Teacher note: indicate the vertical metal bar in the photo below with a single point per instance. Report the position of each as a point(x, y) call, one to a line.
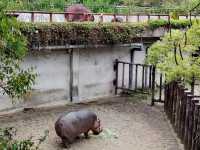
point(130, 76)
point(116, 75)
point(136, 76)
point(123, 72)
point(71, 75)
point(150, 76)
point(131, 70)
point(145, 75)
point(160, 92)
point(142, 77)
point(153, 85)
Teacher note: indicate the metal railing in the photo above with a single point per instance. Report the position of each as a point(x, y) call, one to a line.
point(138, 77)
point(41, 16)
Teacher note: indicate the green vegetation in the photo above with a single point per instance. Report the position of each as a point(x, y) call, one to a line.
point(14, 81)
point(111, 6)
point(173, 55)
point(175, 24)
point(82, 33)
point(92, 33)
point(7, 141)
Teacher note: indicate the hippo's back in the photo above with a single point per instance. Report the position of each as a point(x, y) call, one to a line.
point(74, 123)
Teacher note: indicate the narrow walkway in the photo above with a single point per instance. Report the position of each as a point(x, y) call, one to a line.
point(129, 124)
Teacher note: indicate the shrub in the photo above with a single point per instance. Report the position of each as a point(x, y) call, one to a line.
point(175, 24)
point(81, 33)
point(7, 141)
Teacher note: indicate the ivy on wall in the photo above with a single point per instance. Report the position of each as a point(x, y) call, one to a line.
point(47, 34)
point(81, 33)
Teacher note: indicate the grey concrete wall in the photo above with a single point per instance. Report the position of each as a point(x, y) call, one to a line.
point(52, 82)
point(95, 72)
point(92, 72)
point(52, 68)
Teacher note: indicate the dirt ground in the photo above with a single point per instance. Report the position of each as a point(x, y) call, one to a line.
point(129, 124)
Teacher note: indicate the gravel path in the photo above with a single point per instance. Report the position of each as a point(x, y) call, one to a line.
point(128, 125)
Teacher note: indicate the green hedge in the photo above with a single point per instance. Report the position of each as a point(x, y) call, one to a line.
point(44, 34)
point(81, 33)
point(175, 24)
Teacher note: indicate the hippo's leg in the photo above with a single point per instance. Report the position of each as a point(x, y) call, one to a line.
point(86, 135)
point(67, 142)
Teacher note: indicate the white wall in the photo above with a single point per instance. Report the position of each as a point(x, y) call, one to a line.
point(95, 73)
point(52, 82)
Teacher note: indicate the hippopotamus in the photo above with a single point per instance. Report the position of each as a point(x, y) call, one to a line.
point(69, 126)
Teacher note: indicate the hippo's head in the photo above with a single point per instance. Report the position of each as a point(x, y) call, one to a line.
point(97, 127)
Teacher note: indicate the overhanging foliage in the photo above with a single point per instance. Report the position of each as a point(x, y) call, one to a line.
point(81, 33)
point(173, 55)
point(14, 81)
point(47, 34)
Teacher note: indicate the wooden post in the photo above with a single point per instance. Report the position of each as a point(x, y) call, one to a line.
point(51, 18)
point(126, 18)
point(101, 18)
point(32, 17)
point(138, 18)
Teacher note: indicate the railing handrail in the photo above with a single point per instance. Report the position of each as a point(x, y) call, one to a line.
point(137, 17)
point(121, 14)
point(138, 64)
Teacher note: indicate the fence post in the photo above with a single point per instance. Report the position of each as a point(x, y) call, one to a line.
point(160, 88)
point(196, 136)
point(192, 85)
point(116, 75)
point(153, 85)
point(51, 18)
point(130, 76)
point(32, 17)
point(195, 101)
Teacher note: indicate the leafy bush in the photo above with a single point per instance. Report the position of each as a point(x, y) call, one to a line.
point(175, 24)
point(172, 55)
point(89, 33)
point(81, 33)
point(7, 141)
point(14, 81)
point(154, 24)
